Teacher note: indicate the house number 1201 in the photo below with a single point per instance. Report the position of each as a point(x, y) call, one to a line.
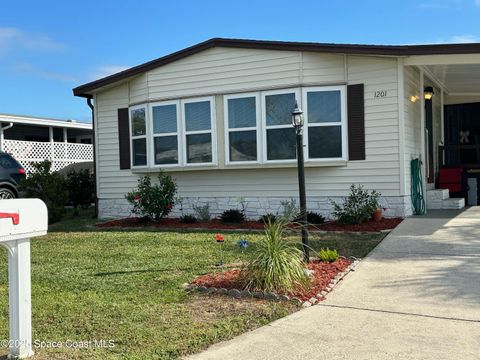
point(380, 94)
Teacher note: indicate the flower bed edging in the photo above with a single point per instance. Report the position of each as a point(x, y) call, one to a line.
point(273, 296)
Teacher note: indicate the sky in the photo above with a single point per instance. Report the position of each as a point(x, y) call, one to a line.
point(49, 47)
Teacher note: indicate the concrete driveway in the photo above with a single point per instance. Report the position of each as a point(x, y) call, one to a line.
point(416, 296)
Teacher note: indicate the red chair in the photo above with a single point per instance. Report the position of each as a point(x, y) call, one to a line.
point(451, 179)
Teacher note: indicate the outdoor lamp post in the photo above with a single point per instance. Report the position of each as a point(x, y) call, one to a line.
point(297, 122)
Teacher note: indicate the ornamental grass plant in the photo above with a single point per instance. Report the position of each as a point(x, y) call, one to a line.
point(276, 265)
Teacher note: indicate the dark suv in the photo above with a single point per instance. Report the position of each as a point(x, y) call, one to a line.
point(11, 172)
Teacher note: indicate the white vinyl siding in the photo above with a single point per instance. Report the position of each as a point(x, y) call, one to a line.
point(223, 71)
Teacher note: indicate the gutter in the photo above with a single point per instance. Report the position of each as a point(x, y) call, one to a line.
point(92, 108)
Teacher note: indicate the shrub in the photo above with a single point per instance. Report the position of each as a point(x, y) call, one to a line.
point(153, 202)
point(232, 216)
point(357, 207)
point(328, 255)
point(289, 209)
point(203, 212)
point(81, 189)
point(47, 186)
point(312, 218)
point(268, 218)
point(276, 265)
point(188, 219)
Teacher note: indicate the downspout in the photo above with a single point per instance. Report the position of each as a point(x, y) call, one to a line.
point(2, 129)
point(90, 105)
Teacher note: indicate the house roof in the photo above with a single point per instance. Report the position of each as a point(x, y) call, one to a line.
point(40, 121)
point(381, 50)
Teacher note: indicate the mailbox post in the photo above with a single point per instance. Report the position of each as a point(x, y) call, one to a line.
point(20, 220)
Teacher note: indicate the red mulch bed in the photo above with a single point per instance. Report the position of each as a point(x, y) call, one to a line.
point(323, 273)
point(174, 223)
point(366, 226)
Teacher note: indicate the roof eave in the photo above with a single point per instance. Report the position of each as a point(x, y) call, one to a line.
point(87, 90)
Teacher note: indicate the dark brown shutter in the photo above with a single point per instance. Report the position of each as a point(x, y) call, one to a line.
point(356, 122)
point(124, 138)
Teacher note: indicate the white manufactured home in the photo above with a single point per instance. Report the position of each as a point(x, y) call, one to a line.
point(31, 139)
point(216, 116)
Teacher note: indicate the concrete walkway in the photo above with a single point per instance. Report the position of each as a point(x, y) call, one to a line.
point(416, 296)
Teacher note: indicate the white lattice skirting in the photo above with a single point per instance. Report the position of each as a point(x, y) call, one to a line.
point(60, 153)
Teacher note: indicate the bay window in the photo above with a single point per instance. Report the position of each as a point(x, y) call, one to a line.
point(258, 129)
point(262, 132)
point(173, 133)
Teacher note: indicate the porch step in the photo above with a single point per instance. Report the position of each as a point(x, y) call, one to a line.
point(453, 204)
point(439, 199)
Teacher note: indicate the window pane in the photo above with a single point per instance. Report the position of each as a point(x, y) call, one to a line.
point(166, 150)
point(164, 119)
point(197, 116)
point(279, 108)
point(242, 112)
point(138, 122)
point(281, 144)
point(199, 148)
point(139, 152)
point(325, 142)
point(243, 145)
point(323, 106)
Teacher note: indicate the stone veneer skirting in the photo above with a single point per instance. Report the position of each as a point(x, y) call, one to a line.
point(396, 206)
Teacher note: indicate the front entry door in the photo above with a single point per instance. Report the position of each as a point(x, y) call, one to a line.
point(429, 141)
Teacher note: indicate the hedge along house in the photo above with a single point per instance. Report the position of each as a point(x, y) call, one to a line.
point(217, 117)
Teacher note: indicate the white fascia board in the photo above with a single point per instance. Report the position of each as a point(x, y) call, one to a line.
point(28, 120)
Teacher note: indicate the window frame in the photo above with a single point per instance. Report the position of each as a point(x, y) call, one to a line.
point(178, 133)
point(257, 128)
point(342, 123)
point(265, 128)
point(212, 131)
point(138, 137)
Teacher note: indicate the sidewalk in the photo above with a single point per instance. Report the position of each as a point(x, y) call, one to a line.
point(416, 296)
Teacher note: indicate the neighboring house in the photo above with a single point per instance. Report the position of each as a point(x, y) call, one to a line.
point(33, 139)
point(217, 117)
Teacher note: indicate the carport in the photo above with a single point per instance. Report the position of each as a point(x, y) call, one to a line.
point(451, 122)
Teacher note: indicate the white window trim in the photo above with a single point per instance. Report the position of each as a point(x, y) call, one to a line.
point(137, 137)
point(342, 123)
point(297, 92)
point(178, 134)
point(257, 128)
point(212, 131)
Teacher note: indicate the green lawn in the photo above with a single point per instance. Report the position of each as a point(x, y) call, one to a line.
point(126, 286)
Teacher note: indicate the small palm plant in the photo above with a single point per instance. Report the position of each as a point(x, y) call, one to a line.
point(276, 265)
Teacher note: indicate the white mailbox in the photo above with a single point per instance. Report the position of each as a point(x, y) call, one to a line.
point(20, 219)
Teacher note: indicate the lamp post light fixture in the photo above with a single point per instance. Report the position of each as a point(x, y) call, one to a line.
point(297, 122)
